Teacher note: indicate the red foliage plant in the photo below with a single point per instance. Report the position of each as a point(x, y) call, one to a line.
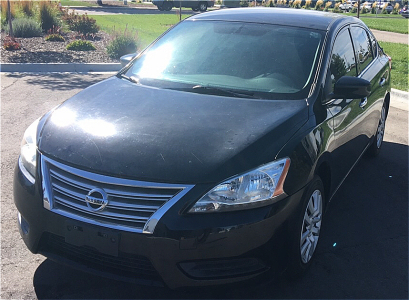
point(11, 44)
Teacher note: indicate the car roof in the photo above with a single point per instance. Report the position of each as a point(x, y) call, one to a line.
point(279, 16)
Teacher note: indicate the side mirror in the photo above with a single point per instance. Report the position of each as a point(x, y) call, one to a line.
point(127, 58)
point(351, 87)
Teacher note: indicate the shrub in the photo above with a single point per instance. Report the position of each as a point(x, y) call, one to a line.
point(244, 3)
point(373, 8)
point(336, 8)
point(307, 4)
point(80, 45)
point(319, 4)
point(25, 27)
point(395, 10)
point(54, 37)
point(4, 12)
point(11, 44)
point(297, 4)
point(82, 24)
point(27, 8)
point(48, 16)
point(327, 6)
point(121, 45)
point(364, 10)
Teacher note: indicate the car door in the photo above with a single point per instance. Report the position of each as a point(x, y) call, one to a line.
point(376, 72)
point(347, 114)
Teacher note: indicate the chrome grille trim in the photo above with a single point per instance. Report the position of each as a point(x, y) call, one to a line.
point(134, 206)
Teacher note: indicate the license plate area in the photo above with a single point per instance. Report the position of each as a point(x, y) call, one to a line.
point(101, 239)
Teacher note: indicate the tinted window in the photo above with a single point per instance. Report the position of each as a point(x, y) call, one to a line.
point(362, 47)
point(342, 57)
point(270, 61)
point(374, 46)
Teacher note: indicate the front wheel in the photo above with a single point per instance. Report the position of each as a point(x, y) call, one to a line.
point(375, 148)
point(202, 6)
point(305, 229)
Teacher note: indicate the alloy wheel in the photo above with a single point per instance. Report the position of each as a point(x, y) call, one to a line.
point(381, 128)
point(311, 226)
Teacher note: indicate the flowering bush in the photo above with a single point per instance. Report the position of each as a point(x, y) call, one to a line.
point(82, 24)
point(11, 44)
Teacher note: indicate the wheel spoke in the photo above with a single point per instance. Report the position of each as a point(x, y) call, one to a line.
point(307, 219)
point(304, 236)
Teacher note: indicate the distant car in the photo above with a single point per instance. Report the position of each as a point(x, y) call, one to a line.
point(347, 5)
point(404, 12)
point(207, 159)
point(195, 5)
point(368, 6)
point(388, 8)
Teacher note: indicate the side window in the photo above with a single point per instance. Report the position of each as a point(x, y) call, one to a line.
point(342, 57)
point(374, 45)
point(362, 47)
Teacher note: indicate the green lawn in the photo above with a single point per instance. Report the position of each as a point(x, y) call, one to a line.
point(399, 73)
point(375, 15)
point(148, 27)
point(399, 25)
point(78, 3)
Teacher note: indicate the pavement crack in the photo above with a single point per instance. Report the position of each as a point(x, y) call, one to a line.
point(10, 85)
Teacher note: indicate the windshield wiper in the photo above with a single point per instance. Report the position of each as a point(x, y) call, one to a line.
point(224, 91)
point(129, 78)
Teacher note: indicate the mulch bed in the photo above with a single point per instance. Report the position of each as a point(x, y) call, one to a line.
point(38, 50)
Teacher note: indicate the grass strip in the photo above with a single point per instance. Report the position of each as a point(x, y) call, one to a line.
point(387, 24)
point(77, 3)
point(147, 27)
point(399, 73)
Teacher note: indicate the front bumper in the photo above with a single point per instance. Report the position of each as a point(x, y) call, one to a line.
point(185, 250)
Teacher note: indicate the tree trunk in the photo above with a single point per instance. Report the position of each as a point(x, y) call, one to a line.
point(9, 17)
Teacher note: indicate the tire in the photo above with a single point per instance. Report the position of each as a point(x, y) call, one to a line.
point(202, 6)
point(375, 148)
point(160, 8)
point(195, 8)
point(305, 230)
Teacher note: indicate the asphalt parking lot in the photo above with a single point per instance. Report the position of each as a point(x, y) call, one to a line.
point(363, 251)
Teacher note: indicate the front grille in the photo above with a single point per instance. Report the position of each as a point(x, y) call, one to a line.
point(131, 204)
point(125, 265)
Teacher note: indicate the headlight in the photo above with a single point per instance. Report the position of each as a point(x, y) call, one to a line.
point(255, 188)
point(28, 155)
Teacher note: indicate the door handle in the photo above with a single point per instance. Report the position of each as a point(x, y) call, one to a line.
point(363, 102)
point(382, 81)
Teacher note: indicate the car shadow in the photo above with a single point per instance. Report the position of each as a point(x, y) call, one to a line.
point(60, 81)
point(363, 249)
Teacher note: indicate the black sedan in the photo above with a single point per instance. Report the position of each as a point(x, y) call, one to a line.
point(212, 153)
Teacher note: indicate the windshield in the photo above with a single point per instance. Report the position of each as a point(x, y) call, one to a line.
point(244, 59)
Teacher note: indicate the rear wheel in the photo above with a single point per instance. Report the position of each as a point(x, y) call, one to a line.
point(375, 148)
point(167, 5)
point(305, 229)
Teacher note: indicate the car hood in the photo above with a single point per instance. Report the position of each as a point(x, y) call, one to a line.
point(122, 129)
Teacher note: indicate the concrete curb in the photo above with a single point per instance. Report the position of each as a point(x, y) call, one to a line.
point(60, 67)
point(400, 99)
